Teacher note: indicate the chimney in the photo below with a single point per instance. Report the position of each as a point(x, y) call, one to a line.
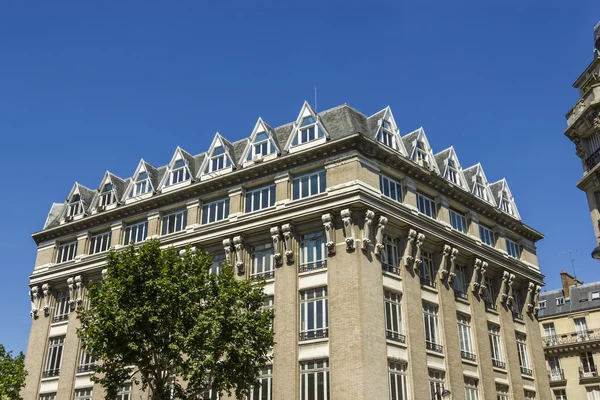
point(567, 282)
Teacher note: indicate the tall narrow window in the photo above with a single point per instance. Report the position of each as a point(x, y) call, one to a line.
point(263, 265)
point(460, 282)
point(86, 361)
point(487, 235)
point(179, 173)
point(174, 221)
point(308, 131)
point(75, 206)
point(523, 355)
point(141, 185)
point(436, 383)
point(262, 146)
point(560, 394)
point(512, 249)
point(99, 242)
point(550, 338)
point(209, 394)
point(215, 210)
point(125, 392)
point(314, 380)
point(426, 205)
point(398, 380)
point(555, 371)
point(107, 195)
point(458, 221)
point(427, 269)
point(505, 204)
point(420, 153)
point(66, 251)
point(390, 188)
point(529, 395)
point(593, 392)
point(393, 317)
point(496, 346)
point(314, 320)
point(464, 337)
point(312, 252)
point(588, 367)
point(386, 135)
point(61, 312)
point(219, 160)
point(217, 264)
point(471, 392)
point(308, 184)
point(581, 329)
point(432, 330)
point(389, 255)
point(83, 394)
point(490, 292)
point(264, 387)
point(135, 232)
point(452, 172)
point(479, 188)
point(260, 198)
point(501, 392)
point(54, 356)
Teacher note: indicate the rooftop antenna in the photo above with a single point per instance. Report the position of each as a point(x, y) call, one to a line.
point(572, 260)
point(316, 99)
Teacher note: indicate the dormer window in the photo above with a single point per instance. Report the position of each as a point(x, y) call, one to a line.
point(386, 135)
point(480, 188)
point(75, 207)
point(308, 131)
point(452, 172)
point(505, 204)
point(262, 146)
point(107, 196)
point(142, 185)
point(180, 173)
point(420, 152)
point(219, 160)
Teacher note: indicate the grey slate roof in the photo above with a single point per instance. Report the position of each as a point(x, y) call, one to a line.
point(154, 175)
point(580, 299)
point(496, 189)
point(87, 196)
point(372, 124)
point(54, 215)
point(440, 159)
point(343, 121)
point(119, 184)
point(469, 173)
point(408, 139)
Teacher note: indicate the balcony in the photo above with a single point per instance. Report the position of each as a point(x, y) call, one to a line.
point(396, 337)
point(263, 275)
point(390, 268)
point(315, 334)
point(590, 97)
point(465, 355)
point(427, 282)
point(498, 364)
point(461, 295)
point(438, 348)
point(556, 376)
point(491, 306)
point(313, 266)
point(571, 338)
point(526, 371)
point(85, 368)
point(59, 318)
point(50, 373)
point(593, 159)
point(588, 373)
point(517, 315)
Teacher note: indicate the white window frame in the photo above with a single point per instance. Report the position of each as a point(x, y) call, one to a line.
point(460, 283)
point(559, 394)
point(502, 392)
point(426, 205)
point(75, 207)
point(219, 161)
point(393, 316)
point(432, 324)
point(174, 221)
point(496, 345)
point(464, 336)
point(215, 210)
point(480, 188)
point(452, 173)
point(302, 185)
point(135, 232)
point(487, 236)
point(554, 369)
point(523, 354)
point(390, 188)
point(62, 307)
point(66, 251)
point(471, 391)
point(529, 395)
point(560, 301)
point(587, 364)
point(313, 325)
point(427, 269)
point(309, 132)
point(217, 264)
point(317, 371)
point(179, 173)
point(490, 290)
point(458, 221)
point(313, 255)
point(389, 255)
point(264, 387)
point(581, 328)
point(48, 396)
point(512, 248)
point(86, 361)
point(386, 135)
point(54, 356)
point(256, 198)
point(141, 186)
point(125, 392)
point(107, 195)
point(593, 392)
point(595, 295)
point(270, 147)
point(398, 380)
point(83, 394)
point(421, 154)
point(542, 304)
point(437, 383)
point(550, 336)
point(100, 242)
point(263, 263)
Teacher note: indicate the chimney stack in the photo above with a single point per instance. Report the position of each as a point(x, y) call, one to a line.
point(568, 281)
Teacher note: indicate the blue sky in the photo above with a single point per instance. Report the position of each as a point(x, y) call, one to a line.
point(86, 87)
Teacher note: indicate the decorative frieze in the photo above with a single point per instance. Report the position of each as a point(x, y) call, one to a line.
point(329, 233)
point(238, 243)
point(46, 290)
point(35, 301)
point(277, 245)
point(366, 233)
point(348, 228)
point(379, 235)
point(288, 237)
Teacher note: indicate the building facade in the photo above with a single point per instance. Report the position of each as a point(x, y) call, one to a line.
point(570, 324)
point(394, 273)
point(583, 128)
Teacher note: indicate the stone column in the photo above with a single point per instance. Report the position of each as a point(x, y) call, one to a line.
point(286, 327)
point(357, 345)
point(153, 224)
point(116, 235)
point(283, 192)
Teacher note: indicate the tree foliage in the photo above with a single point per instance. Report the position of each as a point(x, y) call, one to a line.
point(12, 374)
point(157, 315)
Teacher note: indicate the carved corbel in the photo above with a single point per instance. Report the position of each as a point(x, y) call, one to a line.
point(452, 274)
point(46, 290)
point(276, 237)
point(238, 242)
point(228, 248)
point(475, 277)
point(78, 290)
point(445, 255)
point(72, 295)
point(379, 235)
point(504, 287)
point(511, 298)
point(329, 233)
point(348, 228)
point(536, 298)
point(482, 287)
point(287, 241)
point(35, 301)
point(419, 241)
point(366, 233)
point(408, 257)
point(529, 299)
point(104, 272)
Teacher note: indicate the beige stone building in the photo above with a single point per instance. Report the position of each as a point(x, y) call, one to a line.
point(570, 324)
point(394, 272)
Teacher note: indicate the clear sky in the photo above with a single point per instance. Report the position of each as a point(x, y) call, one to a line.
point(91, 86)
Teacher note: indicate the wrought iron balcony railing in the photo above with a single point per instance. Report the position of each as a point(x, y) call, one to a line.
point(556, 375)
point(427, 282)
point(85, 368)
point(263, 275)
point(315, 334)
point(313, 266)
point(498, 364)
point(51, 372)
point(526, 371)
point(517, 315)
point(468, 356)
point(491, 306)
point(593, 159)
point(390, 268)
point(396, 337)
point(590, 372)
point(461, 295)
point(438, 348)
point(59, 318)
point(571, 337)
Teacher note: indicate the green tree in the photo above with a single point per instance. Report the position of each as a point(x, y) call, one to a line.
point(157, 315)
point(12, 374)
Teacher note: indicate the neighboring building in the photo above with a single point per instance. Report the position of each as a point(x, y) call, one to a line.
point(583, 128)
point(570, 325)
point(394, 272)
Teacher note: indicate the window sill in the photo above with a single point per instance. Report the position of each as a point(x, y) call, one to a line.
point(307, 145)
point(435, 353)
point(392, 275)
point(469, 362)
point(491, 311)
point(312, 341)
point(501, 370)
point(461, 300)
point(60, 323)
point(528, 377)
point(214, 174)
point(50, 379)
point(429, 289)
point(86, 373)
point(178, 185)
point(398, 344)
point(313, 272)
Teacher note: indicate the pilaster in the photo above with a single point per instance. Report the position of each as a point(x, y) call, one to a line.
point(536, 350)
point(443, 214)
point(153, 224)
point(116, 235)
point(82, 244)
point(193, 213)
point(283, 192)
point(410, 193)
point(473, 221)
point(70, 362)
point(511, 353)
point(236, 202)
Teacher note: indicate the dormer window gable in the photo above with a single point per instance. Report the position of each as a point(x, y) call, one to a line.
point(75, 205)
point(387, 130)
point(479, 188)
point(218, 157)
point(506, 200)
point(420, 153)
point(260, 144)
point(180, 172)
point(386, 135)
point(140, 184)
point(479, 184)
point(452, 171)
point(107, 195)
point(308, 128)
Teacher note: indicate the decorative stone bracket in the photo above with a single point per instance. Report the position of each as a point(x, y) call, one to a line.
point(536, 299)
point(445, 256)
point(329, 233)
point(75, 291)
point(348, 228)
point(46, 290)
point(418, 243)
point(277, 244)
point(35, 301)
point(410, 240)
point(452, 266)
point(511, 298)
point(475, 277)
point(228, 248)
point(482, 287)
point(288, 237)
point(238, 243)
point(366, 233)
point(504, 287)
point(379, 235)
point(529, 299)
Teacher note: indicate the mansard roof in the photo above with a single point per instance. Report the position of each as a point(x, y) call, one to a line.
point(119, 185)
point(87, 195)
point(441, 159)
point(498, 188)
point(54, 215)
point(470, 175)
